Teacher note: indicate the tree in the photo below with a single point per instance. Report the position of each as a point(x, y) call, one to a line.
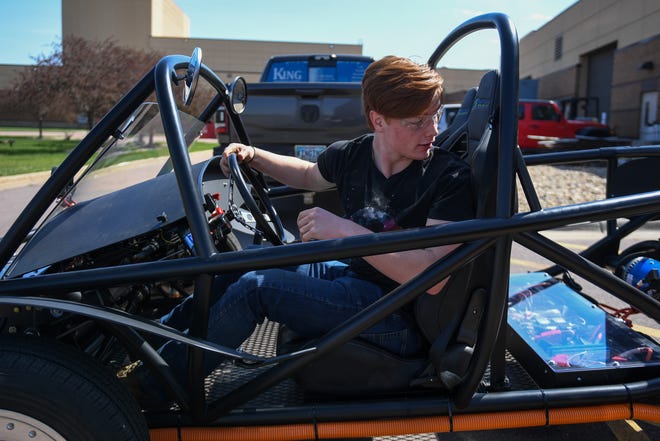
point(84, 77)
point(80, 76)
point(36, 91)
point(98, 73)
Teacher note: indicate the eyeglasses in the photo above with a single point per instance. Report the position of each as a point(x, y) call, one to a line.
point(422, 122)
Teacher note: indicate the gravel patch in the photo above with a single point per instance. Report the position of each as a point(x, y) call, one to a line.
point(558, 185)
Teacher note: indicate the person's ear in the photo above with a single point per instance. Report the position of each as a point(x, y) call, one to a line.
point(377, 120)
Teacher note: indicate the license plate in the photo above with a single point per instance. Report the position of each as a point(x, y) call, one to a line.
point(308, 152)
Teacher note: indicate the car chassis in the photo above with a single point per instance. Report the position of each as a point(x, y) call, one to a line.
point(485, 398)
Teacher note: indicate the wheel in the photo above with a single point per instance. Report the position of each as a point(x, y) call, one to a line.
point(596, 132)
point(229, 243)
point(273, 233)
point(51, 391)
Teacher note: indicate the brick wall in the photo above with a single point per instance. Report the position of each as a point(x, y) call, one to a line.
point(558, 85)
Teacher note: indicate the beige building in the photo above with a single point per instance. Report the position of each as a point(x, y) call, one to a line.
point(9, 72)
point(458, 81)
point(162, 26)
point(600, 58)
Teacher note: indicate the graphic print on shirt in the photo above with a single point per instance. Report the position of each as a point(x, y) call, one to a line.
point(376, 215)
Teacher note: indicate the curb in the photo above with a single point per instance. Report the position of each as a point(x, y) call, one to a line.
point(601, 227)
point(38, 178)
point(24, 180)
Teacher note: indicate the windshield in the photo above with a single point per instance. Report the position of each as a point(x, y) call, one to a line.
point(136, 153)
point(100, 198)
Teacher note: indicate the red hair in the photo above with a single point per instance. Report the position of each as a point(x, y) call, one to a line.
point(397, 87)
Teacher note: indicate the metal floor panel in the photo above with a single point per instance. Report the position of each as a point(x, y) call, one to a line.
point(263, 342)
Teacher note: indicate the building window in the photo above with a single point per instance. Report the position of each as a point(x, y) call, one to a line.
point(558, 47)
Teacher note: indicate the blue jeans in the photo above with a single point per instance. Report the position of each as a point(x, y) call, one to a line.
point(310, 299)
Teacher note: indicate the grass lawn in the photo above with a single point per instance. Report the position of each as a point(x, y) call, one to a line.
point(29, 155)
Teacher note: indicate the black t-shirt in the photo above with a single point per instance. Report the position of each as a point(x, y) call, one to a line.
point(436, 188)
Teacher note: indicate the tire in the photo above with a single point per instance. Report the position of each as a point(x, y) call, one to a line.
point(596, 132)
point(51, 391)
point(229, 243)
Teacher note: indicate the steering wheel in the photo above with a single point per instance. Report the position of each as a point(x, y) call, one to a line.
point(274, 232)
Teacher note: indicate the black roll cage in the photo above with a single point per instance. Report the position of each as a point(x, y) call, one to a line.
point(476, 236)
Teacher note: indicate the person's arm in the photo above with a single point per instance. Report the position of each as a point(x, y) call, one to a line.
point(288, 170)
point(402, 266)
point(317, 224)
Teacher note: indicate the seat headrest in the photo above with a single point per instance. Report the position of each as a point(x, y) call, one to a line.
point(453, 138)
point(464, 111)
point(483, 105)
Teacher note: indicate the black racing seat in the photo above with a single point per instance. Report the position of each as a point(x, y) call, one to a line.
point(467, 132)
point(453, 138)
point(450, 321)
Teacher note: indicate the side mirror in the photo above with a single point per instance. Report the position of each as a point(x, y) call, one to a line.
point(238, 95)
point(192, 75)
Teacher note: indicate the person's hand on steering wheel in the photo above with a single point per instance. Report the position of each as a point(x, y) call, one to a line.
point(244, 154)
point(235, 165)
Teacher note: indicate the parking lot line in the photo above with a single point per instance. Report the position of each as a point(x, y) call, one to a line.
point(653, 332)
point(528, 263)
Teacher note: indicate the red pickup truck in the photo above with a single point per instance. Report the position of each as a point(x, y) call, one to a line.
point(541, 122)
